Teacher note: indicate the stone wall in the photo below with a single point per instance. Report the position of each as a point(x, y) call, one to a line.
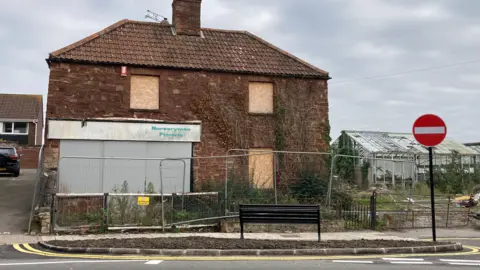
point(219, 100)
point(423, 219)
point(326, 226)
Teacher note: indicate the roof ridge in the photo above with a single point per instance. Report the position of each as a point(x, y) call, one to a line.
point(31, 95)
point(286, 53)
point(373, 131)
point(89, 38)
point(225, 30)
point(203, 28)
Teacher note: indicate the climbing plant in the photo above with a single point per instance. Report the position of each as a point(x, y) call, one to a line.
point(344, 166)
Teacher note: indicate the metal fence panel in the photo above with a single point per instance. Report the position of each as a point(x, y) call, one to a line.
point(39, 195)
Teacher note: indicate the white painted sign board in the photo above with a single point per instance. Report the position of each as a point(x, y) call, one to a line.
point(123, 131)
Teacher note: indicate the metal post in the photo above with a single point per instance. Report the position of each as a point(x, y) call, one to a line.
point(372, 165)
point(432, 193)
point(329, 191)
point(161, 198)
point(105, 210)
point(319, 223)
point(393, 173)
point(373, 211)
point(414, 171)
point(384, 171)
point(241, 222)
point(275, 177)
point(226, 184)
point(448, 211)
point(52, 213)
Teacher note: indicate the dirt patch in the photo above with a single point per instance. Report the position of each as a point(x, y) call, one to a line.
point(223, 243)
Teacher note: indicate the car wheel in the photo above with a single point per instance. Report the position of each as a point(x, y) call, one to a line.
point(16, 174)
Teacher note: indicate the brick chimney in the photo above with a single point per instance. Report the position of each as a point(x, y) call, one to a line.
point(186, 17)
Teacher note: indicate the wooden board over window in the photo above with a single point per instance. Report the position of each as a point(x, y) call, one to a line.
point(144, 92)
point(261, 168)
point(260, 97)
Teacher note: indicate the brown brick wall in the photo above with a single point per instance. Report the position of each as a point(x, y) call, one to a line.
point(29, 159)
point(82, 91)
point(31, 134)
point(186, 16)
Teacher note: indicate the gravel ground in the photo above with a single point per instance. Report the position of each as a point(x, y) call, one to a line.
point(222, 243)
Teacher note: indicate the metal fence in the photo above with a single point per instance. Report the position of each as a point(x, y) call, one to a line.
point(223, 182)
point(416, 213)
point(274, 177)
point(39, 194)
point(121, 211)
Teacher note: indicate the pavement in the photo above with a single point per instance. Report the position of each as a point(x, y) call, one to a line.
point(16, 195)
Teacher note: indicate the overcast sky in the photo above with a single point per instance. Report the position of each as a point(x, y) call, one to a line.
point(352, 39)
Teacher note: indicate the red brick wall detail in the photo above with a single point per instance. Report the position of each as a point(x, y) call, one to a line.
point(83, 91)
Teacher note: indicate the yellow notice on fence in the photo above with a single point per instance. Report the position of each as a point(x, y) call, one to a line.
point(143, 200)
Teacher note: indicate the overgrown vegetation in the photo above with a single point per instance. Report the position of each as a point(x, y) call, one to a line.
point(454, 177)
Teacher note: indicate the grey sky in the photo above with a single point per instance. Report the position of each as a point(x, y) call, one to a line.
point(349, 38)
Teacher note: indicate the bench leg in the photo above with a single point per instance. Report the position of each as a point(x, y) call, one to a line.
point(319, 226)
point(241, 230)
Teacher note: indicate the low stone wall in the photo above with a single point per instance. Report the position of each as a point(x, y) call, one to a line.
point(232, 226)
point(422, 219)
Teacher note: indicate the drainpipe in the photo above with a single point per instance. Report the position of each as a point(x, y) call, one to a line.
point(35, 123)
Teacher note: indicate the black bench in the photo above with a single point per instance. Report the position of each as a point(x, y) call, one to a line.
point(279, 214)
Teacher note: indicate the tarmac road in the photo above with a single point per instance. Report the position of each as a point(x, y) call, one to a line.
point(240, 265)
point(11, 258)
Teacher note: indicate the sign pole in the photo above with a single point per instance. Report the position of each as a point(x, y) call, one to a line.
point(432, 195)
point(430, 130)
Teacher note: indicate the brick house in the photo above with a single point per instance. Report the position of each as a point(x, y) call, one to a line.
point(21, 125)
point(159, 90)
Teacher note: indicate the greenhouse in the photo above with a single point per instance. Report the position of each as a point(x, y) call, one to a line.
point(397, 158)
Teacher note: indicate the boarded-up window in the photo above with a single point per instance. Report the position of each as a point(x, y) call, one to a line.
point(144, 92)
point(261, 167)
point(260, 97)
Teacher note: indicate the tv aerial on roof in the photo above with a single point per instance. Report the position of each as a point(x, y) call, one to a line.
point(155, 16)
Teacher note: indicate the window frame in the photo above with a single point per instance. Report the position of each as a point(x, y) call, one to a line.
point(273, 98)
point(130, 93)
point(2, 131)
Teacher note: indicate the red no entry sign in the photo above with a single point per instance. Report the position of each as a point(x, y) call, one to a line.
point(429, 130)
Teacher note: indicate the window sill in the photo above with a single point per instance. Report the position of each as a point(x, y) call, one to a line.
point(261, 114)
point(145, 110)
point(2, 133)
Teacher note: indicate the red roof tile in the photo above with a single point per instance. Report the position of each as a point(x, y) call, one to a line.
point(13, 106)
point(154, 44)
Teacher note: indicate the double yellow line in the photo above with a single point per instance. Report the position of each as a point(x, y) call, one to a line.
point(26, 248)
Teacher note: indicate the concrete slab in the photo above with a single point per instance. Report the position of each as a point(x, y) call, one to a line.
point(15, 201)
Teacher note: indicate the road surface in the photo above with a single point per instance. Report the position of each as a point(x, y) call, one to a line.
point(11, 258)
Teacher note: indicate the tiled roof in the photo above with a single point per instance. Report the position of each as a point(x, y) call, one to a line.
point(154, 44)
point(13, 106)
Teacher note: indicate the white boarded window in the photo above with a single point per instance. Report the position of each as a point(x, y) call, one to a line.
point(144, 92)
point(260, 97)
point(260, 167)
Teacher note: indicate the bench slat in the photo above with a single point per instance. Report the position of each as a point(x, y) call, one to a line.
point(279, 214)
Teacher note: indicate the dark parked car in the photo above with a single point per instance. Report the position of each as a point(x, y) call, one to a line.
point(9, 161)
